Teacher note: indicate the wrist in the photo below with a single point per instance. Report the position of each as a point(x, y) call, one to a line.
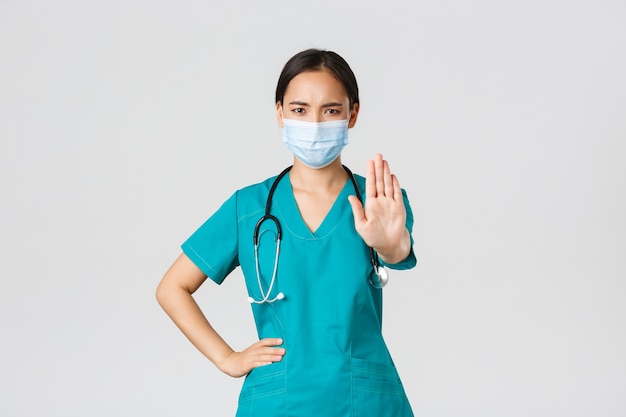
point(396, 253)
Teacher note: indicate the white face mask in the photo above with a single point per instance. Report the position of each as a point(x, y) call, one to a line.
point(315, 144)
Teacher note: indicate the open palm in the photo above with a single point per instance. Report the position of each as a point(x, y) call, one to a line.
point(382, 221)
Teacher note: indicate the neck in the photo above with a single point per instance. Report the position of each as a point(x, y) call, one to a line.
point(322, 179)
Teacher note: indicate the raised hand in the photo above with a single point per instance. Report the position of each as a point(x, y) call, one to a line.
point(381, 222)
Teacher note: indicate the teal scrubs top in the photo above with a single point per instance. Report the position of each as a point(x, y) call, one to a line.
point(336, 362)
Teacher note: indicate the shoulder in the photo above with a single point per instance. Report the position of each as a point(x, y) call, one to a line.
point(259, 189)
point(251, 199)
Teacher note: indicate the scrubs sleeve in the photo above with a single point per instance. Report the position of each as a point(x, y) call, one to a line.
point(213, 247)
point(410, 261)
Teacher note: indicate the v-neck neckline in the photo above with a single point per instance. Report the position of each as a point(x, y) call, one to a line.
point(293, 218)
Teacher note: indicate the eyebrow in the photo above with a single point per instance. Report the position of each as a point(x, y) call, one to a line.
point(302, 103)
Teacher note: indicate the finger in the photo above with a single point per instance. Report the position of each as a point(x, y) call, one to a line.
point(357, 209)
point(387, 180)
point(262, 362)
point(270, 341)
point(269, 350)
point(264, 355)
point(379, 172)
point(370, 180)
point(269, 358)
point(397, 191)
point(271, 355)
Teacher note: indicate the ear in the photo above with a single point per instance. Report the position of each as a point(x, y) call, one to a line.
point(353, 115)
point(279, 114)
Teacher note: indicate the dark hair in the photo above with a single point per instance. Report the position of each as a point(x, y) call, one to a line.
point(316, 60)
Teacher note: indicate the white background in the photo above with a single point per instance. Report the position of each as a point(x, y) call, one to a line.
point(124, 124)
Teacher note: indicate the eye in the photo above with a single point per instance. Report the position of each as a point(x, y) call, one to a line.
point(298, 110)
point(333, 111)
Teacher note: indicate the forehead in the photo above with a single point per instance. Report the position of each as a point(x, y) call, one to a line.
point(316, 84)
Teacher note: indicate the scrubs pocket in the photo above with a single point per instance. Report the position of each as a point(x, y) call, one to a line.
point(264, 392)
point(377, 390)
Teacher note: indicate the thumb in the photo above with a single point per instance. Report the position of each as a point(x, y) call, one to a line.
point(357, 209)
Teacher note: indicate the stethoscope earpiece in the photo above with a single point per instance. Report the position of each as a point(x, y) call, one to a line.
point(279, 296)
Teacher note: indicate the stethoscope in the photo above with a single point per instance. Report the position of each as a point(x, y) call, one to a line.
point(381, 277)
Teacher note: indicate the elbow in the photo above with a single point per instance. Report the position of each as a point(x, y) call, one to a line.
point(168, 291)
point(161, 293)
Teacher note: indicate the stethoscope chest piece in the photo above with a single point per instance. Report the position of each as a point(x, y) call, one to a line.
point(380, 277)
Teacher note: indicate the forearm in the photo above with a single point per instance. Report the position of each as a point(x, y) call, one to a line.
point(181, 307)
point(396, 253)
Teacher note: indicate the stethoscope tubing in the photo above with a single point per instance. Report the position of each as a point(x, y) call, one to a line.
point(382, 277)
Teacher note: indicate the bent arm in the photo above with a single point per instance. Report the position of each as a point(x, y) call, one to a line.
point(174, 294)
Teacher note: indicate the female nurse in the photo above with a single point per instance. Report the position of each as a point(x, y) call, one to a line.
point(311, 267)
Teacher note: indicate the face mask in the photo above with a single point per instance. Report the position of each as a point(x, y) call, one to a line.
point(315, 144)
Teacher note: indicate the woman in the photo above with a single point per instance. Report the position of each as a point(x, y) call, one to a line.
point(311, 268)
